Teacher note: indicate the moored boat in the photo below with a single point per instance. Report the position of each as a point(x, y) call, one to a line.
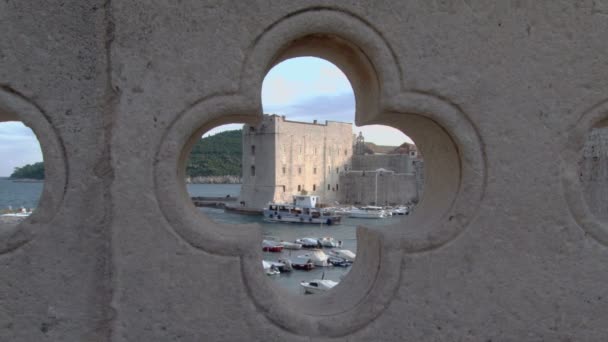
point(308, 242)
point(270, 268)
point(290, 245)
point(303, 209)
point(368, 212)
point(305, 266)
point(317, 257)
point(271, 246)
point(328, 241)
point(318, 285)
point(344, 254)
point(339, 262)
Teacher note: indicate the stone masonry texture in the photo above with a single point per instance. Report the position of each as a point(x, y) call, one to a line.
point(506, 243)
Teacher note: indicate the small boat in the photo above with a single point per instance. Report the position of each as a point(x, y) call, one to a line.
point(344, 254)
point(328, 241)
point(274, 241)
point(270, 268)
point(302, 210)
point(401, 210)
point(368, 212)
point(284, 265)
point(21, 213)
point(317, 257)
point(272, 249)
point(271, 246)
point(339, 262)
point(290, 245)
point(306, 266)
point(318, 286)
point(16, 215)
point(308, 242)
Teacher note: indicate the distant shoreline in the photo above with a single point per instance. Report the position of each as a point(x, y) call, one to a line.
point(25, 180)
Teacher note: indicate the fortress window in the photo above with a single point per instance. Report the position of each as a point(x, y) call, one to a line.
point(314, 187)
point(336, 187)
point(283, 188)
point(337, 170)
point(314, 170)
point(299, 170)
point(253, 150)
point(299, 187)
point(328, 187)
point(283, 169)
point(252, 170)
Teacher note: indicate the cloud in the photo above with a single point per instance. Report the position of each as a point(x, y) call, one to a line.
point(18, 146)
point(298, 79)
point(335, 108)
point(339, 108)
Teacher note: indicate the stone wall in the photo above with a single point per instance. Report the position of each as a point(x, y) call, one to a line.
point(594, 172)
point(292, 157)
point(499, 96)
point(400, 163)
point(388, 188)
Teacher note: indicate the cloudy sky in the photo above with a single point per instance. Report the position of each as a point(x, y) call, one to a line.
point(307, 89)
point(18, 146)
point(303, 89)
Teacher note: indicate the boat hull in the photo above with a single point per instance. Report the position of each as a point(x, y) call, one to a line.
point(302, 218)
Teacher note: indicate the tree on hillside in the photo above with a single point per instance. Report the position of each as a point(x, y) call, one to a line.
point(30, 171)
point(217, 155)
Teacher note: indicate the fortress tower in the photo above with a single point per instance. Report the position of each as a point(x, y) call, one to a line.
point(282, 158)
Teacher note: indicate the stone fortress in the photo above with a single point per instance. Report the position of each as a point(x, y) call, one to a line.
point(499, 96)
point(282, 158)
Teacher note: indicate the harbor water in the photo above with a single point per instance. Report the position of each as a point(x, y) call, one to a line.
point(17, 194)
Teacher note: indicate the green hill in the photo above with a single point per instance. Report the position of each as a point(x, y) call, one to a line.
point(217, 155)
point(29, 171)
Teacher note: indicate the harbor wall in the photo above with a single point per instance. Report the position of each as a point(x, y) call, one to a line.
point(388, 188)
point(506, 244)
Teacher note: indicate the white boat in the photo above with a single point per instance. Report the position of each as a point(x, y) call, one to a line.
point(270, 268)
point(328, 241)
point(368, 212)
point(21, 213)
point(402, 210)
point(16, 215)
point(308, 242)
point(317, 257)
point(344, 254)
point(302, 210)
point(270, 241)
point(318, 285)
point(290, 245)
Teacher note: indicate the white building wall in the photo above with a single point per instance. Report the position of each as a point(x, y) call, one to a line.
point(294, 158)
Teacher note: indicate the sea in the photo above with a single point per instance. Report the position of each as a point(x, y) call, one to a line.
point(27, 194)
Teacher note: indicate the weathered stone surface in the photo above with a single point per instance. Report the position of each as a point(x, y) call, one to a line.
point(499, 97)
